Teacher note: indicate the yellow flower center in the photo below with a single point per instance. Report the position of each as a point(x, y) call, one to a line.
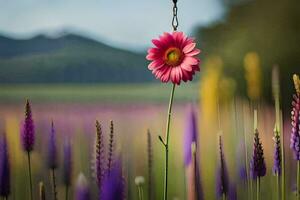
point(173, 56)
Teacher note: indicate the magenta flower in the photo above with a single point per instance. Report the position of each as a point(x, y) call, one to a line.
point(27, 132)
point(174, 58)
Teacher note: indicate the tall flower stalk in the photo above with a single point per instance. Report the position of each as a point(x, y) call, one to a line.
point(110, 147)
point(173, 59)
point(99, 156)
point(52, 158)
point(166, 143)
point(295, 133)
point(277, 160)
point(150, 165)
point(67, 167)
point(222, 181)
point(279, 168)
point(4, 169)
point(27, 138)
point(257, 164)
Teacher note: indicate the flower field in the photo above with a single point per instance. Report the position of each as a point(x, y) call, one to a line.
point(74, 114)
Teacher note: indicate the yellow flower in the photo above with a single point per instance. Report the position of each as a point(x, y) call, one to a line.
point(296, 83)
point(209, 88)
point(253, 75)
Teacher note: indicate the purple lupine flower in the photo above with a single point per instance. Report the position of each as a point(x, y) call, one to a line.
point(4, 169)
point(222, 182)
point(99, 150)
point(67, 164)
point(82, 188)
point(52, 150)
point(295, 134)
point(190, 134)
point(27, 132)
point(113, 187)
point(257, 164)
point(277, 155)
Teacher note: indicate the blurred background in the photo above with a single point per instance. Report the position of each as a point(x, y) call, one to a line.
point(78, 61)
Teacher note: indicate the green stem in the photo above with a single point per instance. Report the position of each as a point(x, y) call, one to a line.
point(54, 184)
point(282, 160)
point(251, 189)
point(298, 180)
point(278, 185)
point(257, 188)
point(224, 197)
point(140, 191)
point(67, 192)
point(246, 163)
point(166, 144)
point(29, 172)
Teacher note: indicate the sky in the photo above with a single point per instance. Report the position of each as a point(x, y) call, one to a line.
point(122, 23)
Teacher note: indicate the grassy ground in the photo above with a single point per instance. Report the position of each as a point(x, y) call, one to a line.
point(112, 93)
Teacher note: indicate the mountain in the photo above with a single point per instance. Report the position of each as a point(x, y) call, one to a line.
point(68, 59)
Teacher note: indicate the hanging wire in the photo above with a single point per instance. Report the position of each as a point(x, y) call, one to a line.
point(175, 18)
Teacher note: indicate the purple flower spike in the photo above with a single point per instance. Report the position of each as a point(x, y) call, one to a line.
point(222, 182)
point(4, 169)
point(257, 164)
point(52, 151)
point(277, 155)
point(82, 188)
point(27, 132)
point(67, 166)
point(113, 184)
point(190, 134)
point(295, 134)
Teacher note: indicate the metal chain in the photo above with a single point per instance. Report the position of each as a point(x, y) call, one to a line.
point(175, 18)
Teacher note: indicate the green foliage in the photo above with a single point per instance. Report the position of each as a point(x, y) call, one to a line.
point(270, 28)
point(105, 93)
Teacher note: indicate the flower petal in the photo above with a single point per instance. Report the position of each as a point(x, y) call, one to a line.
point(186, 67)
point(158, 43)
point(194, 52)
point(155, 64)
point(190, 61)
point(188, 48)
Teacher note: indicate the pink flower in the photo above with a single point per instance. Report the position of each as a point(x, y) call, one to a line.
point(173, 58)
